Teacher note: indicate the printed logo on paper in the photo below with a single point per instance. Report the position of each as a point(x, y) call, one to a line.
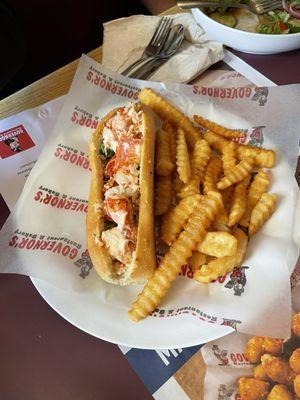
point(237, 280)
point(225, 359)
point(14, 141)
point(225, 392)
point(84, 263)
point(221, 355)
point(261, 95)
point(257, 136)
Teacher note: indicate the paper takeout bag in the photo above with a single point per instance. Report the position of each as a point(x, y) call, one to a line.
point(44, 236)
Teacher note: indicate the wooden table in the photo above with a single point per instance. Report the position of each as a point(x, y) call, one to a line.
point(43, 356)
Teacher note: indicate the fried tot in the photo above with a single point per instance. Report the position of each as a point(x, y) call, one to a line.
point(218, 244)
point(220, 130)
point(163, 162)
point(181, 250)
point(261, 212)
point(253, 389)
point(294, 361)
point(163, 198)
point(238, 205)
point(237, 174)
point(297, 385)
point(278, 369)
point(260, 373)
point(296, 325)
point(255, 349)
point(174, 221)
point(273, 346)
point(168, 112)
point(257, 188)
point(182, 158)
point(280, 392)
point(221, 266)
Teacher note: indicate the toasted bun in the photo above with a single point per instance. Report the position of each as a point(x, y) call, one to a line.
point(145, 256)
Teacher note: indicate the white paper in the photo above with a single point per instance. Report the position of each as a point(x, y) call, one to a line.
point(124, 42)
point(28, 132)
point(60, 254)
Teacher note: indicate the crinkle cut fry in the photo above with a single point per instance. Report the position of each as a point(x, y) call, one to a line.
point(172, 137)
point(262, 158)
point(237, 174)
point(200, 158)
point(257, 188)
point(174, 221)
point(163, 163)
point(167, 111)
point(217, 142)
point(182, 158)
point(238, 205)
point(220, 130)
point(163, 198)
point(228, 158)
point(262, 212)
point(178, 254)
point(211, 176)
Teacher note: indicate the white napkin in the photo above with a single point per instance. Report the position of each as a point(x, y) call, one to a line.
point(125, 40)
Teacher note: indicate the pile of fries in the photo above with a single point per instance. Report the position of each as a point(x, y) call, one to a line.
point(210, 190)
point(277, 373)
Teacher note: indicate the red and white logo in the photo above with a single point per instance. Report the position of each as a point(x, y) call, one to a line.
point(14, 141)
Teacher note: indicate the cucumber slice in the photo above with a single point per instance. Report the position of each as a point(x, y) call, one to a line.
point(294, 25)
point(225, 19)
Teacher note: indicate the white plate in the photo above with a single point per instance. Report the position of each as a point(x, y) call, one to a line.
point(95, 317)
point(247, 42)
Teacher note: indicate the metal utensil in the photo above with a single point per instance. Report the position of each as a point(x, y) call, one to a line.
point(155, 45)
point(171, 47)
point(255, 6)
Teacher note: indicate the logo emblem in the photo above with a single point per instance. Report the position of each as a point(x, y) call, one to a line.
point(84, 264)
point(257, 136)
point(237, 280)
point(225, 392)
point(14, 141)
point(261, 95)
point(221, 355)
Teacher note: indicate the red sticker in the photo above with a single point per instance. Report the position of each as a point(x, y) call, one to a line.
point(14, 141)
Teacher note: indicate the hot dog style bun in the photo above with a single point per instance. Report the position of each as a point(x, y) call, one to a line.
point(120, 221)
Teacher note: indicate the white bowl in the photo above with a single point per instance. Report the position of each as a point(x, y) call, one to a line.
point(247, 42)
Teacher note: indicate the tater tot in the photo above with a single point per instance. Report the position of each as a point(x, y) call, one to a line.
point(260, 373)
point(278, 369)
point(254, 349)
point(295, 361)
point(296, 325)
point(280, 392)
point(297, 385)
point(253, 389)
point(273, 346)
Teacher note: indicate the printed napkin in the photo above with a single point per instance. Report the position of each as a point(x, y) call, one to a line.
point(125, 40)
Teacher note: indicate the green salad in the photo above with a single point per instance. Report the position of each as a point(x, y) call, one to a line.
point(275, 22)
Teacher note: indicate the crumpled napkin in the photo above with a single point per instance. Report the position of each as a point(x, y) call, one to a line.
point(125, 40)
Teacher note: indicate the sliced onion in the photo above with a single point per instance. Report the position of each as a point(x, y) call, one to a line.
point(295, 12)
point(292, 8)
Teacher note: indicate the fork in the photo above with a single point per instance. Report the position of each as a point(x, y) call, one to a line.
point(155, 45)
point(255, 6)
